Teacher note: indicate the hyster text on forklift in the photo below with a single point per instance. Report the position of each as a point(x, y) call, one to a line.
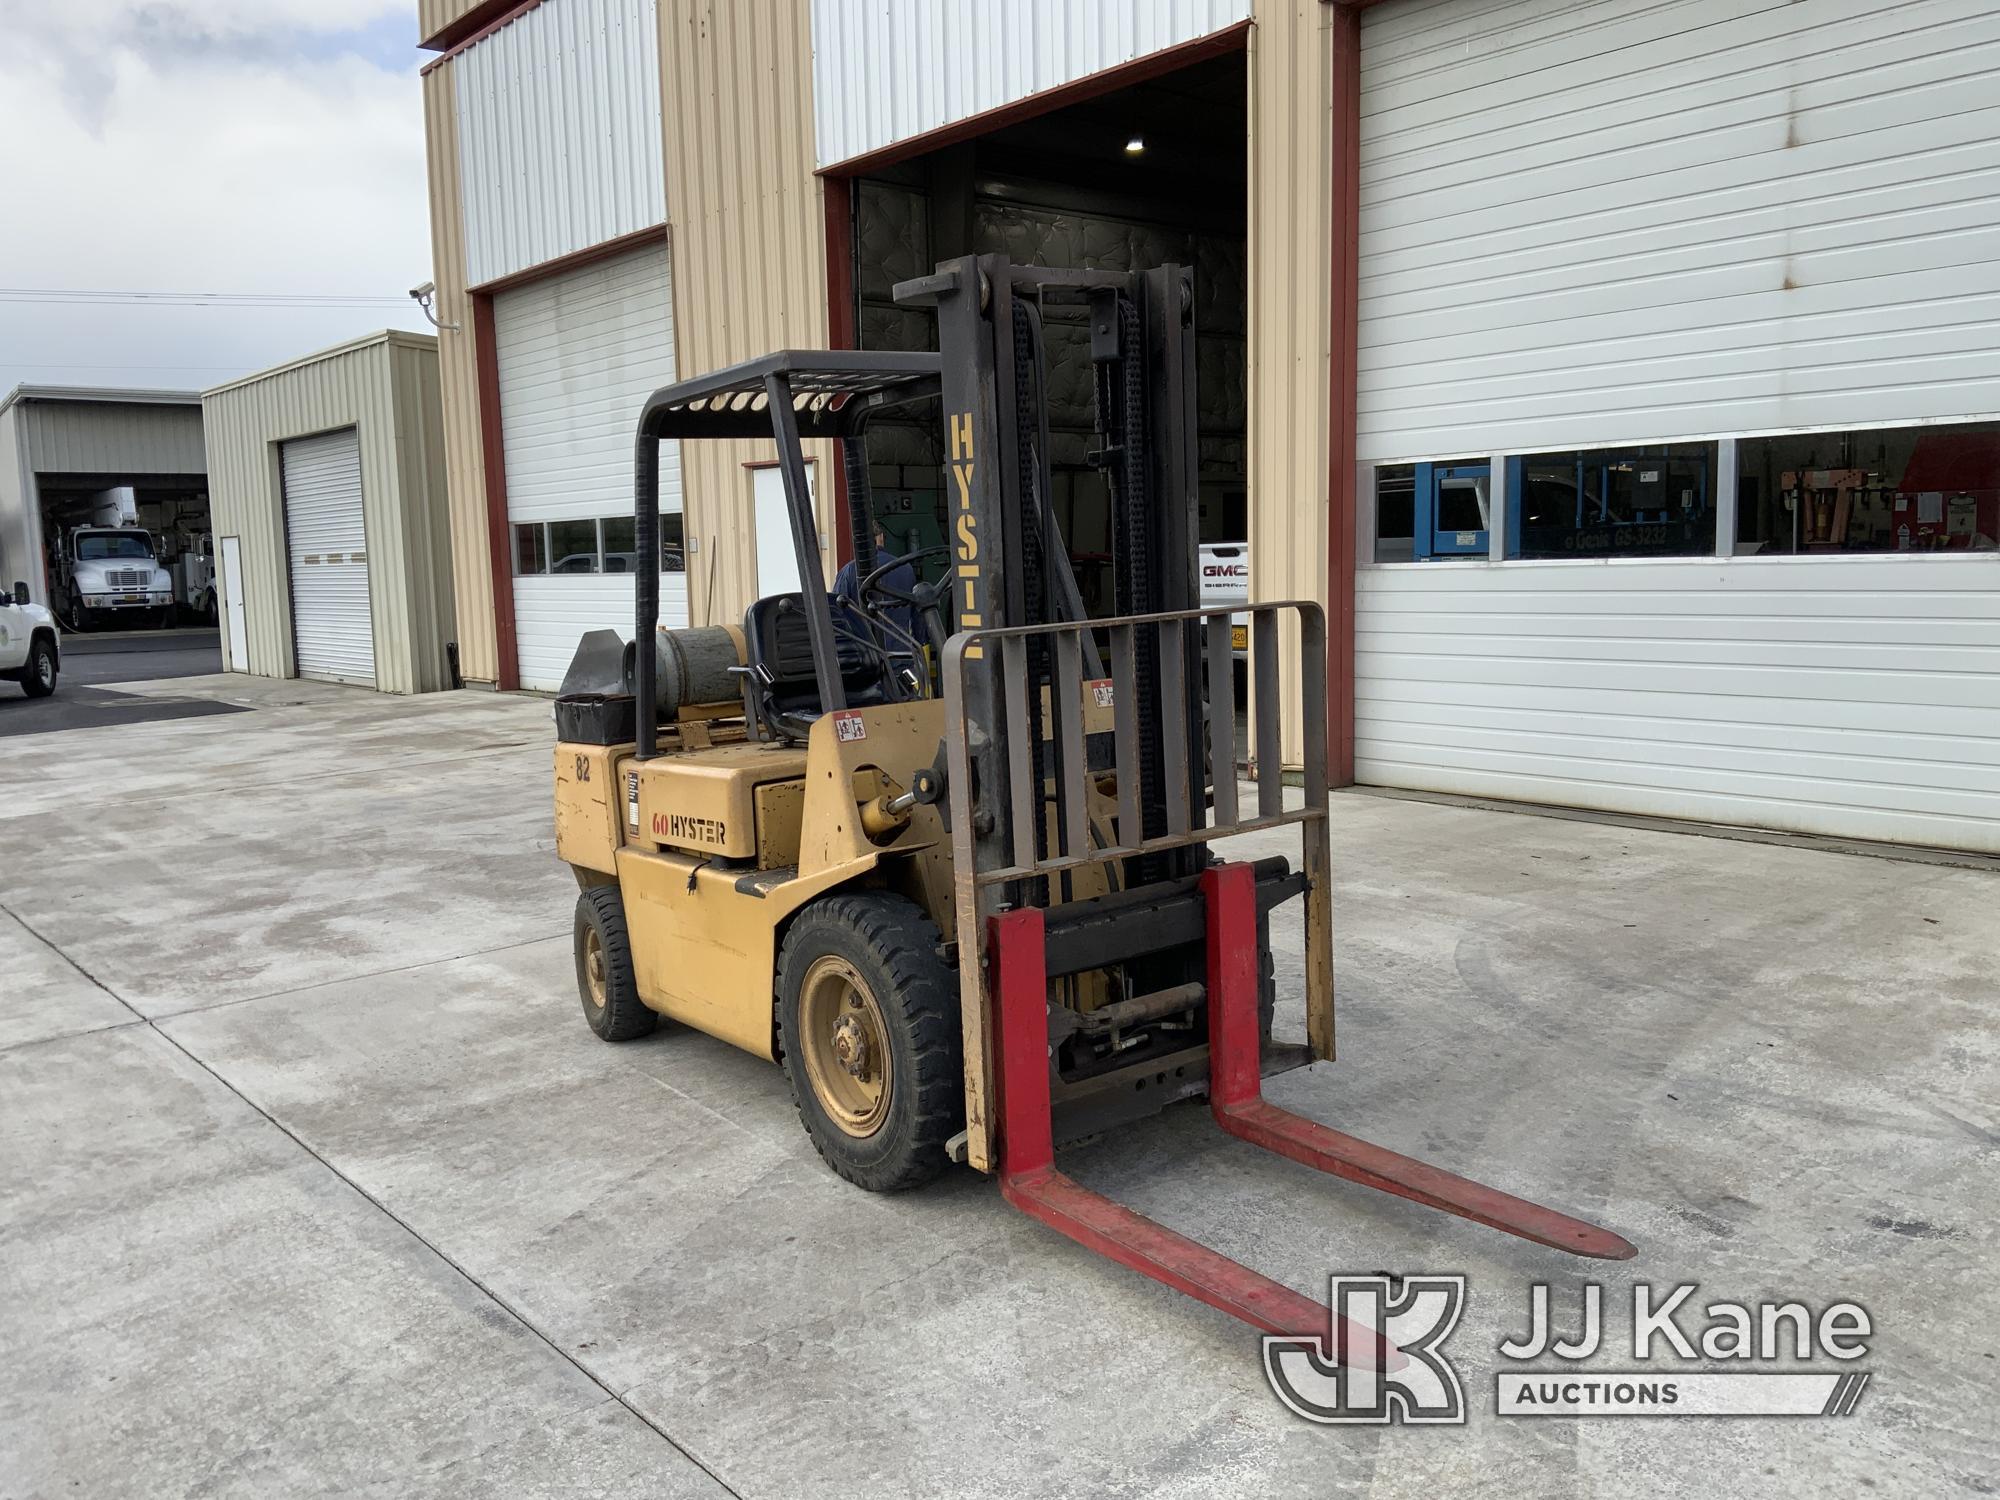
point(944, 850)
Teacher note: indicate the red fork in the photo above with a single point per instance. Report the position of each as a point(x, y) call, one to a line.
point(1030, 1181)
point(1236, 1095)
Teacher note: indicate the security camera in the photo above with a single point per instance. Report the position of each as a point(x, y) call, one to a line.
point(422, 296)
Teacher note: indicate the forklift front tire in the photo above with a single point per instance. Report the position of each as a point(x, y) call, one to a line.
point(868, 1022)
point(604, 978)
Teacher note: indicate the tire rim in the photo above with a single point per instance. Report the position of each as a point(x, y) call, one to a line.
point(844, 1042)
point(45, 668)
point(593, 966)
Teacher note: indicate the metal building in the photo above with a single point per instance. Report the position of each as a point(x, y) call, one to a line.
point(553, 158)
point(1624, 377)
point(62, 445)
point(332, 540)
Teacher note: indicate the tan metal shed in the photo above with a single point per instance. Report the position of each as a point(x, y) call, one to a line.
point(361, 425)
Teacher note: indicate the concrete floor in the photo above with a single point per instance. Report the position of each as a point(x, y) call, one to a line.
point(312, 1180)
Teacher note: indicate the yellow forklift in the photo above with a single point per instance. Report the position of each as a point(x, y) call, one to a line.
point(943, 849)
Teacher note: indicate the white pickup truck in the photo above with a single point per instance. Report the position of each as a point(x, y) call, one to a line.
point(30, 651)
point(1225, 579)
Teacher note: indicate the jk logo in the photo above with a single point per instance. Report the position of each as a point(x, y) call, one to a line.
point(1346, 1377)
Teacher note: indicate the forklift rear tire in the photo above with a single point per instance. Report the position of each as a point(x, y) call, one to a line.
point(604, 978)
point(868, 1024)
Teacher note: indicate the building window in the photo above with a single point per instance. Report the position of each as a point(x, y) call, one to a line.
point(573, 547)
point(1395, 513)
point(621, 554)
point(1654, 501)
point(1432, 510)
point(1897, 489)
point(607, 545)
point(531, 549)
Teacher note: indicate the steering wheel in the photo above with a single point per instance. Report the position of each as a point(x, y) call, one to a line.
point(923, 596)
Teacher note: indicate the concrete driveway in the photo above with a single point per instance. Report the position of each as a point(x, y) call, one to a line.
point(312, 1180)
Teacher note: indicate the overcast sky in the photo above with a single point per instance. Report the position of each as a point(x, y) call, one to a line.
point(269, 146)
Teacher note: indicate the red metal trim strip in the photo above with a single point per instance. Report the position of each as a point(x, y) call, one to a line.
point(576, 260)
point(499, 534)
point(1152, 65)
point(1340, 480)
point(837, 199)
point(474, 26)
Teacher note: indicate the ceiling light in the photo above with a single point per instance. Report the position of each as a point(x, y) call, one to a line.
point(1136, 145)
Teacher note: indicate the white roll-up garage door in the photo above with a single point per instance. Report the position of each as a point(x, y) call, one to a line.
point(1634, 220)
point(327, 544)
point(578, 355)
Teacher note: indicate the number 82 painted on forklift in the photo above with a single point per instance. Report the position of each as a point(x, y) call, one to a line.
point(906, 843)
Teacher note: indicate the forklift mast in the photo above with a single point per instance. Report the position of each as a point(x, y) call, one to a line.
point(1011, 563)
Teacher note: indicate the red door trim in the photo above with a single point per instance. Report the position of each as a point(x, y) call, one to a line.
point(499, 532)
point(475, 25)
point(1344, 301)
point(837, 200)
point(576, 260)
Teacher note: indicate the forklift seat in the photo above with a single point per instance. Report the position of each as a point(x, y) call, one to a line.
point(779, 643)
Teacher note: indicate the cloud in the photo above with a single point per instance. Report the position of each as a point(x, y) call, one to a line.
point(79, 42)
point(225, 145)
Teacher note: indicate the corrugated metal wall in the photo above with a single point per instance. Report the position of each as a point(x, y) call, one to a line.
point(423, 608)
point(1853, 697)
point(888, 70)
point(90, 437)
point(1629, 220)
point(559, 134)
point(1291, 216)
point(748, 245)
point(458, 375)
point(387, 388)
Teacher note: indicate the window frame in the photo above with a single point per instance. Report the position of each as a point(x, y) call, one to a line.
point(597, 524)
point(1721, 502)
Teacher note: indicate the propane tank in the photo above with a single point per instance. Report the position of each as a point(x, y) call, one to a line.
point(694, 667)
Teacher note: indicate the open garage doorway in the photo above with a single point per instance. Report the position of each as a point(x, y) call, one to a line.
point(1152, 173)
point(107, 538)
point(129, 567)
